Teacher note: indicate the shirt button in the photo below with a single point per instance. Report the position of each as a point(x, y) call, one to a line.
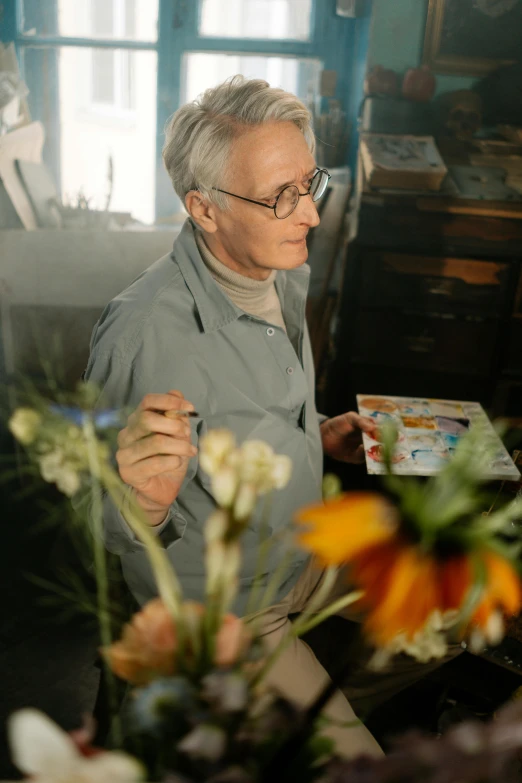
point(290, 370)
point(270, 332)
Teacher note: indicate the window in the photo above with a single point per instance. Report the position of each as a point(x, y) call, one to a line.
point(280, 19)
point(92, 81)
point(204, 69)
point(112, 70)
point(105, 75)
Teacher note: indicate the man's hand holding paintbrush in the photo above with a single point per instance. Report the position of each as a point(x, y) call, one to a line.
point(154, 450)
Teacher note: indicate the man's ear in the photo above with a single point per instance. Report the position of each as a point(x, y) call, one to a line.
point(201, 211)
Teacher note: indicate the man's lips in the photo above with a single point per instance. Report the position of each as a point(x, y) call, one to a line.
point(296, 241)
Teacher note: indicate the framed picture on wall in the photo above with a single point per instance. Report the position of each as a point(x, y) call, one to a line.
point(472, 37)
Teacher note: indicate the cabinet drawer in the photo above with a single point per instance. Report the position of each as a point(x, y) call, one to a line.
point(440, 285)
point(436, 344)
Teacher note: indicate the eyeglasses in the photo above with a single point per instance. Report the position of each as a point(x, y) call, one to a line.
point(288, 199)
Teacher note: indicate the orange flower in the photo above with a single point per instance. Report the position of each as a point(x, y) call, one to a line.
point(343, 527)
point(401, 589)
point(501, 596)
point(148, 646)
point(409, 594)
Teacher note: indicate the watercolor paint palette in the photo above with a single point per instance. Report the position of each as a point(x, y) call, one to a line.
point(428, 433)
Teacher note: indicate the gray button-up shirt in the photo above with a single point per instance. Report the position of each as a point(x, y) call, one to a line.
point(174, 328)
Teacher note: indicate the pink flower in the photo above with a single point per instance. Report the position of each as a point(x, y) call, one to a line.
point(148, 646)
point(232, 640)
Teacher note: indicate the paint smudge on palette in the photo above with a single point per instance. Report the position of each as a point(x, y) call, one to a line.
point(414, 408)
point(376, 454)
point(419, 422)
point(376, 438)
point(430, 459)
point(381, 417)
point(452, 409)
point(381, 404)
point(450, 440)
point(425, 440)
point(452, 426)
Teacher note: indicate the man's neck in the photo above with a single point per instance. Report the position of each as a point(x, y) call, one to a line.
point(219, 252)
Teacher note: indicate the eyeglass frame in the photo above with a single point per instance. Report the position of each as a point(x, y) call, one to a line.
point(274, 206)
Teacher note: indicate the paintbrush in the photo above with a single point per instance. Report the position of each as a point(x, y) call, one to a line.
point(174, 414)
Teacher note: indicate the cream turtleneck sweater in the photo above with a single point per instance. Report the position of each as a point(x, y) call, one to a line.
point(256, 297)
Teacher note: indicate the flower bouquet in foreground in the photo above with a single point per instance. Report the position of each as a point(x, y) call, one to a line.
point(422, 566)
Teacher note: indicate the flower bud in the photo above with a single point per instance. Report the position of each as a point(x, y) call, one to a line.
point(214, 447)
point(216, 526)
point(281, 471)
point(214, 560)
point(224, 486)
point(24, 425)
point(246, 500)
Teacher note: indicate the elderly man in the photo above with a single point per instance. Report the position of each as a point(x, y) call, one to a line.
point(218, 327)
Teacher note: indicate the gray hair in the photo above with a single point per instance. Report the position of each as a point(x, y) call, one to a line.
point(199, 136)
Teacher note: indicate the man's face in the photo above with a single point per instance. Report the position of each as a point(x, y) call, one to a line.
point(248, 237)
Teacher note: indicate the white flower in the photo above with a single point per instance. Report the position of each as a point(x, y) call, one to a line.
point(55, 468)
point(50, 465)
point(246, 500)
point(224, 486)
point(495, 630)
point(214, 448)
point(24, 425)
point(262, 468)
point(257, 464)
point(428, 643)
point(216, 526)
point(68, 482)
point(43, 752)
point(281, 471)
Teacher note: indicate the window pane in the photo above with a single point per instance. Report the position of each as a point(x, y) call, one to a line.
point(283, 19)
point(112, 19)
point(107, 111)
point(103, 76)
point(206, 69)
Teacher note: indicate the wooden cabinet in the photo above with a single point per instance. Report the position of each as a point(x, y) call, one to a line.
point(431, 304)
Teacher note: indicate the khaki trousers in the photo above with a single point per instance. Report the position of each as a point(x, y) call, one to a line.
point(300, 677)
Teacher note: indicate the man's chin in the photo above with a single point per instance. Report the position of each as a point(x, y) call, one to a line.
point(295, 255)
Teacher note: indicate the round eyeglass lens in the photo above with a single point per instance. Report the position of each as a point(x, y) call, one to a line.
point(319, 183)
point(287, 202)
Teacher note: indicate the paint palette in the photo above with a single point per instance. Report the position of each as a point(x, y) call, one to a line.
point(428, 434)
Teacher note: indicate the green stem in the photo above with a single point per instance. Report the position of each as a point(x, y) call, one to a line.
point(334, 608)
point(165, 576)
point(100, 569)
point(309, 619)
point(275, 582)
point(264, 549)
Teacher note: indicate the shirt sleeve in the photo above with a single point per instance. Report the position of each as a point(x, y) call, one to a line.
point(122, 387)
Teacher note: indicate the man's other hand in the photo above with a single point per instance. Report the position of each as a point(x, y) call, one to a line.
point(342, 436)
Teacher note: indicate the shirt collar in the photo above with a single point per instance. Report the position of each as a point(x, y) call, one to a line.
point(214, 308)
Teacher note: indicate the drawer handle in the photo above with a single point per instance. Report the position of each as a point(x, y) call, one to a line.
point(439, 291)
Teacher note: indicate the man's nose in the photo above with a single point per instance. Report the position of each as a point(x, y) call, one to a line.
point(308, 211)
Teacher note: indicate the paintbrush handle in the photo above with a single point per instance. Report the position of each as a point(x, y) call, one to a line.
point(174, 414)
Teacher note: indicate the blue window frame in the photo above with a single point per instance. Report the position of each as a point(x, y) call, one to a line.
point(332, 43)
